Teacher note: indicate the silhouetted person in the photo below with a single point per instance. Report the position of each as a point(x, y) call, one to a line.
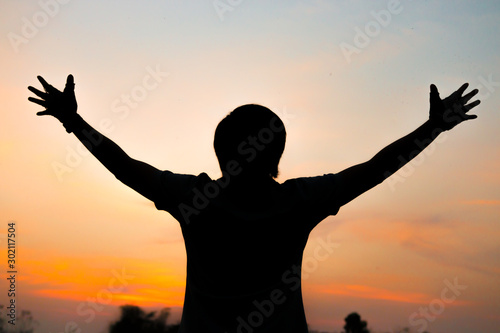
point(245, 233)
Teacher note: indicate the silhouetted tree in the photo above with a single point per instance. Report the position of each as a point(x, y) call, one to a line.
point(133, 319)
point(24, 323)
point(354, 324)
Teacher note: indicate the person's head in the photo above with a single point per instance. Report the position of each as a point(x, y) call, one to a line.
point(254, 137)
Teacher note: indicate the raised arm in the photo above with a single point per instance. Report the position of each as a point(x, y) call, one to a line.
point(138, 175)
point(443, 116)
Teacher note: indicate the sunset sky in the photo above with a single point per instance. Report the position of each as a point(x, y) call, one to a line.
point(346, 77)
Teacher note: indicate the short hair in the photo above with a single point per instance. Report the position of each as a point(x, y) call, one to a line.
point(254, 137)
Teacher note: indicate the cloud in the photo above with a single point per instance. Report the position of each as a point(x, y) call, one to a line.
point(445, 241)
point(137, 281)
point(370, 292)
point(481, 202)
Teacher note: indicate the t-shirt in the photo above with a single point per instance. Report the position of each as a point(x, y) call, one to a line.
point(244, 248)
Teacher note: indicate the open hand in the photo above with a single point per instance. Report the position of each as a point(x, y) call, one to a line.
point(452, 110)
point(59, 104)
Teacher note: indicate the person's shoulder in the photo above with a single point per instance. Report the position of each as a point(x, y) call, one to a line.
point(171, 174)
point(327, 179)
point(176, 187)
point(311, 186)
point(184, 181)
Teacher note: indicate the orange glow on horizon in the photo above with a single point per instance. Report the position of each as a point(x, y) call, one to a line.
point(75, 279)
